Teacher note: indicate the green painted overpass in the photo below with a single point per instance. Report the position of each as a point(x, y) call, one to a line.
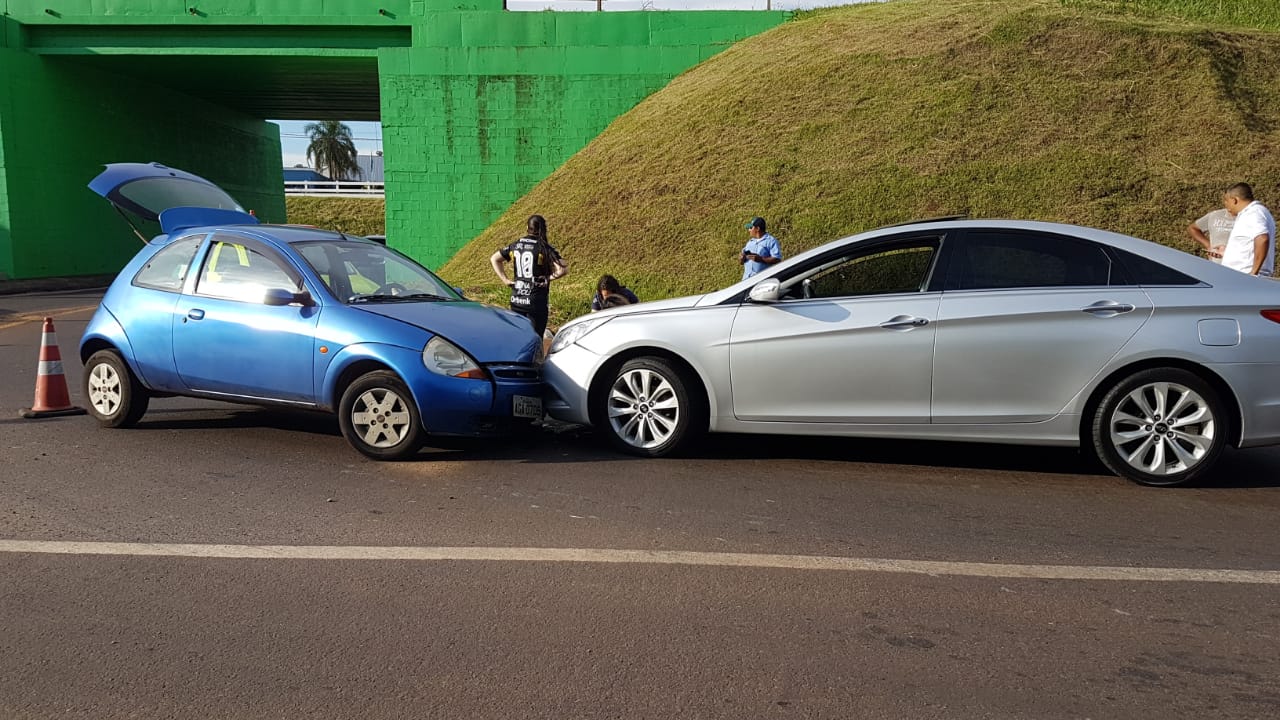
point(477, 104)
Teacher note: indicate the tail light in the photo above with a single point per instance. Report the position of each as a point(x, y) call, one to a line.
point(1272, 315)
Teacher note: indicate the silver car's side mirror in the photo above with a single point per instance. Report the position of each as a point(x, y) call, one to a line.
point(765, 291)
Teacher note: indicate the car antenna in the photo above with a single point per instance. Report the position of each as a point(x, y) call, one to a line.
point(131, 225)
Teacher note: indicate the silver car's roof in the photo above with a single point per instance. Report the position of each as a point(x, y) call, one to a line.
point(1196, 267)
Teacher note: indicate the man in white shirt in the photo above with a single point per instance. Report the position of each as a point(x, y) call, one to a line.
point(1251, 248)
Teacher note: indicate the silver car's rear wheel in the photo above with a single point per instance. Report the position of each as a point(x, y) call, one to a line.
point(647, 409)
point(1160, 427)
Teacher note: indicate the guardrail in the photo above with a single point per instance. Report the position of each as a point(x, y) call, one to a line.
point(668, 5)
point(335, 188)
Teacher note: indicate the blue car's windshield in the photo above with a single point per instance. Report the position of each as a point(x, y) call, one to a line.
point(359, 271)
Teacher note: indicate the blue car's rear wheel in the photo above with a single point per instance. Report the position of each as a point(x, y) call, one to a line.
point(116, 398)
point(379, 417)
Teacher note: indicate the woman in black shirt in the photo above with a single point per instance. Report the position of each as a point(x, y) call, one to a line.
point(535, 264)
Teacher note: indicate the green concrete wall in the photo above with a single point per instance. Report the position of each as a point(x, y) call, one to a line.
point(9, 32)
point(481, 106)
point(238, 12)
point(61, 122)
point(494, 102)
point(6, 236)
point(464, 147)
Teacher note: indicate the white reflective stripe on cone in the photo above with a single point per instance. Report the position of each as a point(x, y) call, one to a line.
point(50, 367)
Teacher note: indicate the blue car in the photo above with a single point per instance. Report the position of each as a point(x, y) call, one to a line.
point(221, 307)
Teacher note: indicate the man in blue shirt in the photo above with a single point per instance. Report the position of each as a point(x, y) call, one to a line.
point(761, 251)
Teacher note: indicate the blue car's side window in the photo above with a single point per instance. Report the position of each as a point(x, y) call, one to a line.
point(167, 269)
point(236, 271)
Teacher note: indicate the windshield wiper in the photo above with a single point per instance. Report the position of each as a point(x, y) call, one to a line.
point(411, 297)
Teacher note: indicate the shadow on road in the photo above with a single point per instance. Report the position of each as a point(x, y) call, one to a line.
point(1256, 468)
point(557, 443)
point(314, 423)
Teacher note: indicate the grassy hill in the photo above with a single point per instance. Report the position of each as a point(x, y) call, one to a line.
point(354, 216)
point(1257, 14)
point(1122, 115)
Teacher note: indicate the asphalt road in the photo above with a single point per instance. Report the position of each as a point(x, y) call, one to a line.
point(227, 561)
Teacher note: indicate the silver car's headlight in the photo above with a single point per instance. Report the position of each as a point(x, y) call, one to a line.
point(576, 332)
point(444, 358)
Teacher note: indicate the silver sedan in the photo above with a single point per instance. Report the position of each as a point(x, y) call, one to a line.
point(986, 331)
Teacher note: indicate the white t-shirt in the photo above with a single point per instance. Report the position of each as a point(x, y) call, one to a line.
point(1251, 222)
point(1216, 225)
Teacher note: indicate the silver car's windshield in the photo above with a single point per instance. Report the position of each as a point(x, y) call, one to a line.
point(358, 271)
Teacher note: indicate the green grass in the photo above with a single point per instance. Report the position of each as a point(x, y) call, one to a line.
point(354, 216)
point(851, 118)
point(1258, 14)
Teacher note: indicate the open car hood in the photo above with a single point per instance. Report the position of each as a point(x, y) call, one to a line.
point(148, 190)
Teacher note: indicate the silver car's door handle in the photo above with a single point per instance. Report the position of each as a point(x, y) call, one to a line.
point(1108, 308)
point(903, 322)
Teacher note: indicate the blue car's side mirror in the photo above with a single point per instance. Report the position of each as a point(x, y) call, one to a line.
point(280, 296)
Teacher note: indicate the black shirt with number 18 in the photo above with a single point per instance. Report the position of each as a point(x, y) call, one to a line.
point(532, 263)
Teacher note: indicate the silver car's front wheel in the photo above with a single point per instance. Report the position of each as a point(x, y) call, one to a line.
point(1160, 427)
point(647, 409)
point(643, 408)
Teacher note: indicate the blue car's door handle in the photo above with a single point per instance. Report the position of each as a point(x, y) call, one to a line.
point(195, 314)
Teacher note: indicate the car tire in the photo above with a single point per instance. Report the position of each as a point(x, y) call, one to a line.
point(379, 417)
point(1135, 438)
point(647, 408)
point(116, 398)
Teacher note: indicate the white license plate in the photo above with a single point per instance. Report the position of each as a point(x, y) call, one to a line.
point(527, 407)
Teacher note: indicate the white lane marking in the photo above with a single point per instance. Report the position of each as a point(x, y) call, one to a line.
point(651, 557)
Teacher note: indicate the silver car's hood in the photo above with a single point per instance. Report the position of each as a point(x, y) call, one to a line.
point(641, 308)
point(679, 303)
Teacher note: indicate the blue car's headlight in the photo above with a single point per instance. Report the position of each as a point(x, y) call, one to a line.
point(444, 358)
point(576, 332)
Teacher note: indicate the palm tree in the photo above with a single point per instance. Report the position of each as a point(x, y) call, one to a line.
point(332, 148)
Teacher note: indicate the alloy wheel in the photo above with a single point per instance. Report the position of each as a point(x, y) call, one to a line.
point(1163, 428)
point(644, 410)
point(381, 418)
point(105, 393)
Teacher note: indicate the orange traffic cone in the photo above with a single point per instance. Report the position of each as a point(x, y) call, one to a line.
point(52, 398)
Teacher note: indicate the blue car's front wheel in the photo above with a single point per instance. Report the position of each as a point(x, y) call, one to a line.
point(379, 417)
